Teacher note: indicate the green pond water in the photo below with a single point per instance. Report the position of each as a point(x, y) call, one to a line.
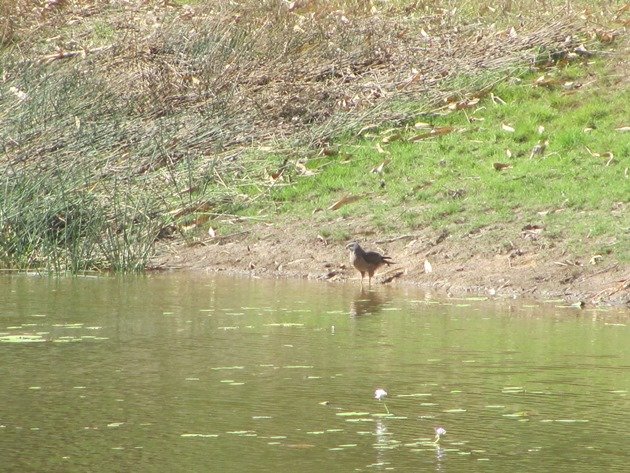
point(170, 373)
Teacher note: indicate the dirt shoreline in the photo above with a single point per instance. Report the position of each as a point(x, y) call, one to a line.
point(526, 266)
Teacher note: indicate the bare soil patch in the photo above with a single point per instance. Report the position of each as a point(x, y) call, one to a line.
point(502, 262)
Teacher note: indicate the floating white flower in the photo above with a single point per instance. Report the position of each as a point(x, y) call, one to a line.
point(439, 433)
point(381, 394)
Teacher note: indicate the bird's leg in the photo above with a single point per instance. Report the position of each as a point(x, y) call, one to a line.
point(362, 274)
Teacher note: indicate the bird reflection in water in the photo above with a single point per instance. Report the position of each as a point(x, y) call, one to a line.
point(365, 303)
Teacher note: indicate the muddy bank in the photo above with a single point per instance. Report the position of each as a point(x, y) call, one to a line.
point(502, 263)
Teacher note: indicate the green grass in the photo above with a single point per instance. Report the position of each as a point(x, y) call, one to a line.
point(450, 181)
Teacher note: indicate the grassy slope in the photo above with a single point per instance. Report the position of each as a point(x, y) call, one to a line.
point(115, 146)
point(580, 199)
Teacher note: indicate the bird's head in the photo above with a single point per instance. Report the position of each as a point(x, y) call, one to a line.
point(352, 246)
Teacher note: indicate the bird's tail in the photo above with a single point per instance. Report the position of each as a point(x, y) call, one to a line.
point(387, 260)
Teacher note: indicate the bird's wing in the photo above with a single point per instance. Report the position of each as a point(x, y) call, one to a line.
point(372, 257)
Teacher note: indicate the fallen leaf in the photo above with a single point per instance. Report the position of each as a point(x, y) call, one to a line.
point(496, 99)
point(380, 149)
point(541, 129)
point(462, 104)
point(439, 131)
point(427, 266)
point(532, 231)
point(20, 94)
point(211, 232)
point(501, 166)
point(508, 153)
point(507, 128)
point(274, 176)
point(348, 199)
point(570, 85)
point(610, 156)
point(200, 220)
point(605, 37)
point(366, 129)
point(390, 138)
point(422, 125)
point(595, 155)
point(379, 169)
point(303, 170)
point(543, 81)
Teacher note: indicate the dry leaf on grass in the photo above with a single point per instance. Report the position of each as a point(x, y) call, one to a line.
point(20, 94)
point(532, 231)
point(302, 169)
point(507, 128)
point(462, 104)
point(420, 125)
point(380, 149)
point(348, 199)
point(496, 99)
point(543, 81)
point(439, 131)
point(379, 169)
point(427, 266)
point(274, 176)
point(367, 128)
point(607, 155)
point(390, 138)
point(501, 166)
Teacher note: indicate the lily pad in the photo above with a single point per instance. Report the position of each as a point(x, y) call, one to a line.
point(22, 339)
point(414, 395)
